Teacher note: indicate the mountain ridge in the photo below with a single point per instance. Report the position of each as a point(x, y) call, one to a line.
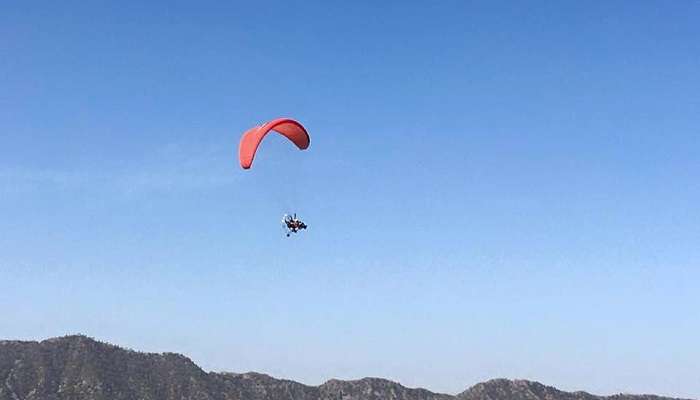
point(78, 367)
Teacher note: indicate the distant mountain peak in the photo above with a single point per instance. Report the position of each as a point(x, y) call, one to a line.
point(78, 367)
point(73, 338)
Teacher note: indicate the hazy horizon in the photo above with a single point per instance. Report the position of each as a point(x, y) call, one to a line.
point(468, 386)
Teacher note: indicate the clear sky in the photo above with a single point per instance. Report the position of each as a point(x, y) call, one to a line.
point(494, 189)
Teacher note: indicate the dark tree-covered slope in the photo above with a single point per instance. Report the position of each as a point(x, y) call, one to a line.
point(80, 368)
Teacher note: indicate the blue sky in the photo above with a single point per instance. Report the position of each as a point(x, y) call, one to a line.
point(494, 189)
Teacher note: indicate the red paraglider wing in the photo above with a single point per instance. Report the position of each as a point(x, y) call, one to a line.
point(288, 128)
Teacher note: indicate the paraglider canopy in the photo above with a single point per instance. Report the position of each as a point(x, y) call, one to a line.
point(287, 127)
